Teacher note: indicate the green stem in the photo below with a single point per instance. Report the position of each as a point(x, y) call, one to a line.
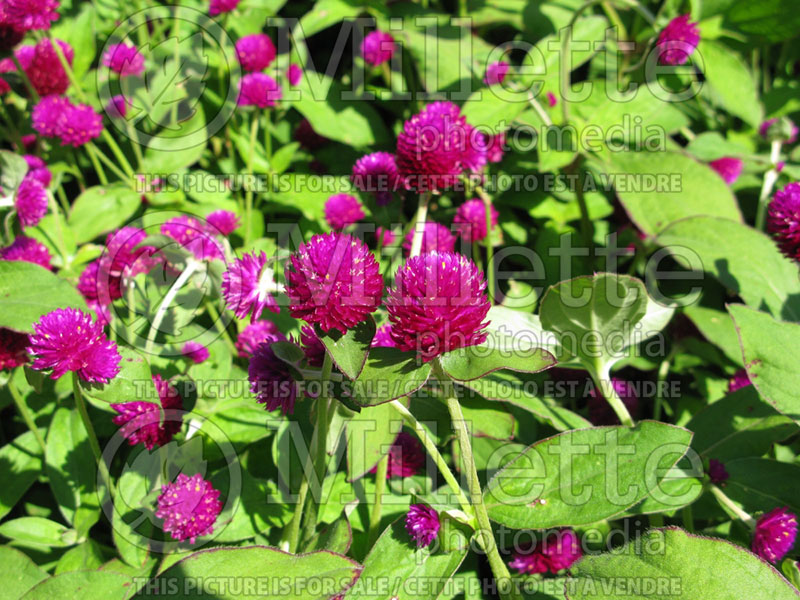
point(26, 414)
point(663, 371)
point(321, 450)
point(602, 381)
point(214, 314)
point(191, 267)
point(770, 177)
point(80, 404)
point(730, 507)
point(25, 79)
point(380, 487)
point(248, 213)
point(419, 223)
point(91, 147)
point(688, 518)
point(98, 168)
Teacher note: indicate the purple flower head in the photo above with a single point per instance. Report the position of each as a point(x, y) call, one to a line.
point(98, 286)
point(783, 219)
point(224, 221)
point(247, 286)
point(37, 169)
point(44, 69)
point(217, 7)
point(294, 74)
point(10, 35)
point(308, 138)
point(436, 146)
point(256, 333)
point(79, 124)
point(189, 507)
point(313, 347)
point(558, 551)
point(30, 202)
point(25, 15)
point(729, 168)
point(383, 337)
point(195, 352)
point(377, 48)
point(28, 250)
point(438, 303)
point(496, 73)
point(335, 281)
point(422, 524)
point(779, 129)
point(496, 148)
point(258, 89)
point(47, 115)
point(406, 456)
point(256, 52)
point(377, 173)
point(271, 380)
point(67, 339)
point(143, 422)
point(194, 237)
point(123, 256)
point(551, 99)
point(342, 210)
point(435, 238)
point(739, 380)
point(124, 59)
point(386, 237)
point(716, 471)
point(677, 41)
point(13, 349)
point(600, 413)
point(117, 107)
point(471, 219)
point(775, 534)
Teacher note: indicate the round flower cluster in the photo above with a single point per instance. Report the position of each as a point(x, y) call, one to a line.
point(558, 551)
point(496, 72)
point(422, 524)
point(255, 52)
point(259, 90)
point(271, 380)
point(377, 48)
point(775, 534)
point(124, 59)
point(142, 422)
point(189, 507)
point(25, 15)
point(783, 219)
point(28, 250)
point(377, 174)
point(342, 210)
point(471, 219)
point(30, 202)
point(74, 124)
point(677, 41)
point(247, 286)
point(254, 334)
point(13, 349)
point(195, 237)
point(435, 238)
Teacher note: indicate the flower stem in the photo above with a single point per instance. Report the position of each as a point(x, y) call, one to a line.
point(25, 79)
point(80, 404)
point(770, 177)
point(220, 327)
point(419, 223)
point(730, 507)
point(191, 267)
point(98, 168)
point(380, 487)
point(321, 450)
point(26, 414)
point(602, 381)
point(248, 211)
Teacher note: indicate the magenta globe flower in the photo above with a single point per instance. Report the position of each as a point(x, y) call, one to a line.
point(342, 210)
point(255, 52)
point(247, 286)
point(195, 352)
point(117, 107)
point(13, 349)
point(217, 7)
point(294, 74)
point(729, 168)
point(47, 115)
point(148, 424)
point(601, 413)
point(80, 124)
point(37, 169)
point(717, 472)
point(551, 99)
point(25, 15)
point(386, 237)
point(258, 89)
point(435, 238)
point(28, 250)
point(194, 237)
point(30, 202)
point(334, 281)
point(256, 333)
point(739, 380)
point(313, 347)
point(377, 48)
point(558, 551)
point(224, 221)
point(783, 219)
point(677, 41)
point(775, 534)
point(437, 304)
point(44, 69)
point(779, 129)
point(496, 72)
point(67, 339)
point(422, 524)
point(189, 506)
point(124, 59)
point(383, 337)
point(471, 220)
point(496, 148)
point(377, 174)
point(271, 380)
point(406, 456)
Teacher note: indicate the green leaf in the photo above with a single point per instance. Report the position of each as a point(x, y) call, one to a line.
point(335, 537)
point(474, 362)
point(688, 567)
point(659, 188)
point(349, 351)
point(370, 434)
point(102, 208)
point(729, 250)
point(490, 112)
point(739, 425)
point(83, 557)
point(173, 149)
point(12, 171)
point(19, 573)
point(28, 291)
point(771, 351)
point(133, 382)
point(131, 525)
point(20, 466)
point(389, 374)
point(583, 476)
point(319, 570)
point(730, 83)
point(774, 20)
point(761, 484)
point(717, 327)
point(82, 585)
point(325, 14)
point(395, 557)
point(37, 532)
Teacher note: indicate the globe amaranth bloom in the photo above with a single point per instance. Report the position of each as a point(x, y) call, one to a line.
point(46, 115)
point(13, 349)
point(194, 236)
point(378, 47)
point(28, 250)
point(775, 534)
point(551, 99)
point(471, 220)
point(342, 210)
point(25, 15)
point(406, 456)
point(30, 202)
point(142, 423)
point(717, 472)
point(436, 146)
point(779, 129)
point(783, 219)
point(258, 89)
point(217, 7)
point(729, 168)
point(377, 174)
point(601, 413)
point(80, 124)
point(271, 380)
point(495, 147)
point(334, 281)
point(43, 67)
point(124, 59)
point(37, 169)
point(438, 303)
point(558, 551)
point(677, 41)
point(247, 286)
point(739, 380)
point(383, 337)
point(435, 238)
point(256, 333)
point(294, 74)
point(422, 524)
point(67, 339)
point(313, 347)
point(255, 52)
point(386, 237)
point(496, 72)
point(189, 507)
point(10, 35)
point(117, 107)
point(195, 352)
point(224, 221)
